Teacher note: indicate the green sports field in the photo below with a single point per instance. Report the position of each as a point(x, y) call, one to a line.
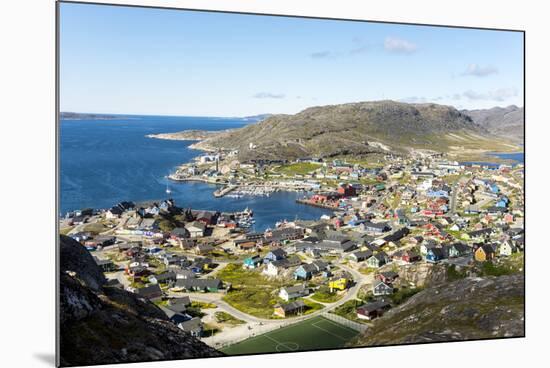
point(312, 334)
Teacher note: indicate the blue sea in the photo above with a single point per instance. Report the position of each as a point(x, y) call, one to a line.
point(516, 157)
point(103, 162)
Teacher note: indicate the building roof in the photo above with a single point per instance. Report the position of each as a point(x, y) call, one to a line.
point(149, 291)
point(295, 289)
point(199, 283)
point(292, 306)
point(374, 306)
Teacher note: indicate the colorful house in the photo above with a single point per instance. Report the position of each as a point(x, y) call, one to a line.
point(484, 253)
point(435, 255)
point(252, 262)
point(338, 284)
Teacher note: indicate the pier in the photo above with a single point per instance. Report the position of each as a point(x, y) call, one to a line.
point(225, 190)
point(315, 204)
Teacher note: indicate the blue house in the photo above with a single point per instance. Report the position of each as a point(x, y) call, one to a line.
point(435, 255)
point(307, 271)
point(304, 272)
point(494, 188)
point(502, 202)
point(252, 262)
point(275, 255)
point(437, 193)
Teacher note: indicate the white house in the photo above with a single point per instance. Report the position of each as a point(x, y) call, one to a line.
point(293, 292)
point(196, 229)
point(272, 269)
point(506, 249)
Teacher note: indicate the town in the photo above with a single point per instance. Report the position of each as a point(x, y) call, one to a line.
point(394, 220)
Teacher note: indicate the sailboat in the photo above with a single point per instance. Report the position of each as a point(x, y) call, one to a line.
point(168, 191)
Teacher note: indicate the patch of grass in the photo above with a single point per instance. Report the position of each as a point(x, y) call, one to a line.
point(194, 312)
point(311, 306)
point(161, 303)
point(348, 310)
point(95, 228)
point(502, 268)
point(401, 295)
point(223, 317)
point(300, 168)
point(453, 274)
point(258, 302)
point(137, 284)
point(209, 330)
point(203, 305)
point(66, 230)
point(324, 295)
point(367, 270)
point(251, 292)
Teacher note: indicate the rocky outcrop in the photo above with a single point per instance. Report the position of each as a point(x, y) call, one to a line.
point(470, 308)
point(101, 325)
point(77, 261)
point(423, 274)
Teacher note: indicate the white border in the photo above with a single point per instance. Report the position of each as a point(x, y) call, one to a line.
point(27, 115)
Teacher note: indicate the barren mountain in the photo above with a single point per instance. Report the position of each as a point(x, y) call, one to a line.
point(501, 121)
point(354, 128)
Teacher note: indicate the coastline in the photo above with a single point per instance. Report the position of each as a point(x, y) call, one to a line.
point(188, 135)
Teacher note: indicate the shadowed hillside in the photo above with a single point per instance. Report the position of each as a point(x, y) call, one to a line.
point(101, 325)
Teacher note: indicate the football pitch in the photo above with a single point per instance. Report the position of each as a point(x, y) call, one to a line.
point(312, 334)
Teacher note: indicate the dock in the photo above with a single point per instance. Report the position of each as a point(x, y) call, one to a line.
point(225, 190)
point(319, 205)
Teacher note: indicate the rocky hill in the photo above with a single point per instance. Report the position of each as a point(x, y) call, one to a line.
point(501, 121)
point(470, 308)
point(101, 324)
point(354, 128)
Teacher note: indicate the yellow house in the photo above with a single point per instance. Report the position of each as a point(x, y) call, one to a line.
point(484, 253)
point(339, 284)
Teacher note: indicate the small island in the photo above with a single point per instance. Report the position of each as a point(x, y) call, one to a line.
point(187, 135)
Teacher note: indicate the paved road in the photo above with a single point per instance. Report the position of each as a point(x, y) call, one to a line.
point(256, 325)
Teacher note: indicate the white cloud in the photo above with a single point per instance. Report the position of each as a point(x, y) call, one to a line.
point(479, 71)
point(500, 94)
point(268, 95)
point(414, 99)
point(397, 45)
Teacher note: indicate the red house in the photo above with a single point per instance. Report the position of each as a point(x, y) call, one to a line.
point(347, 190)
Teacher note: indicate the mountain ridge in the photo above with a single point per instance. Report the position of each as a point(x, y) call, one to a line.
point(507, 122)
point(355, 128)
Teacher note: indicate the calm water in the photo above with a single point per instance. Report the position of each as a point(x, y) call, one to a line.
point(516, 157)
point(106, 161)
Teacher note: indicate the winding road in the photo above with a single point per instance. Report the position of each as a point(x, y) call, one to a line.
point(255, 325)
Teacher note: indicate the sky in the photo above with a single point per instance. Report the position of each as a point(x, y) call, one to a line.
point(146, 61)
